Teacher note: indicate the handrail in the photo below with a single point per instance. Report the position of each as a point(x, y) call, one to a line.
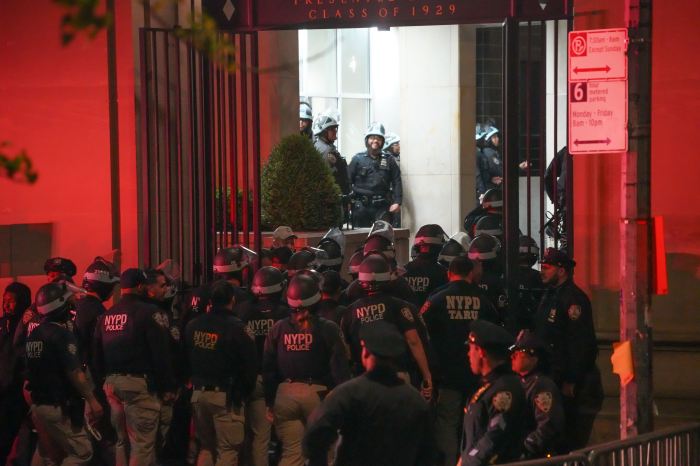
point(572, 459)
point(639, 439)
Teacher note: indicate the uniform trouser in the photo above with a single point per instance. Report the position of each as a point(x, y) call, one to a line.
point(448, 412)
point(164, 422)
point(258, 425)
point(365, 216)
point(293, 406)
point(53, 425)
point(219, 428)
point(135, 413)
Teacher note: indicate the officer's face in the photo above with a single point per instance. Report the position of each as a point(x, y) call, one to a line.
point(53, 275)
point(495, 140)
point(158, 289)
point(303, 124)
point(332, 134)
point(396, 148)
point(9, 304)
point(475, 359)
point(375, 143)
point(549, 274)
point(522, 362)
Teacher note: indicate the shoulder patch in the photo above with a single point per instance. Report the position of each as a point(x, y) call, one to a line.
point(502, 401)
point(574, 312)
point(161, 319)
point(543, 401)
point(175, 333)
point(406, 313)
point(72, 349)
point(249, 332)
point(425, 307)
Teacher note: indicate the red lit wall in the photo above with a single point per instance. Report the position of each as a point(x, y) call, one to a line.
point(54, 104)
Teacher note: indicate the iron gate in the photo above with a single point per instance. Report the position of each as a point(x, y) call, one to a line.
point(199, 161)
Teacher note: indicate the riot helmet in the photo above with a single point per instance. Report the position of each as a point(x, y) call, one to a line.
point(230, 262)
point(375, 272)
point(493, 131)
point(354, 264)
point(100, 277)
point(56, 266)
point(490, 225)
point(484, 248)
point(391, 139)
point(457, 245)
point(375, 129)
point(53, 299)
point(267, 281)
point(305, 111)
point(430, 238)
point(303, 293)
point(323, 122)
point(303, 259)
point(333, 243)
point(492, 201)
point(528, 251)
point(381, 245)
point(382, 228)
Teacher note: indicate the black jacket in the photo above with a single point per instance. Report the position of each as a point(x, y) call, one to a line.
point(376, 176)
point(544, 424)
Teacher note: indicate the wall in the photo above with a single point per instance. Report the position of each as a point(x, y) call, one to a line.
point(55, 105)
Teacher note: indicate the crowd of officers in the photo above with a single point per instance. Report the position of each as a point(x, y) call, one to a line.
point(371, 184)
point(257, 366)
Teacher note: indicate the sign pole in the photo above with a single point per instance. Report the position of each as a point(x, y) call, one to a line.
point(635, 301)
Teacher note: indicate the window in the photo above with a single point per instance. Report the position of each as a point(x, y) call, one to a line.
point(334, 73)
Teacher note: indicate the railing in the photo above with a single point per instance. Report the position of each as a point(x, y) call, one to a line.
point(677, 446)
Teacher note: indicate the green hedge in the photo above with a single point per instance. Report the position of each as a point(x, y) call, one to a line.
point(298, 188)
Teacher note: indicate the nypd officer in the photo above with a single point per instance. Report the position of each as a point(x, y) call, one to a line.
point(325, 131)
point(58, 268)
point(304, 358)
point(260, 315)
point(382, 420)
point(544, 421)
point(374, 176)
point(223, 367)
point(564, 320)
point(56, 380)
point(131, 349)
point(305, 119)
point(424, 274)
point(448, 315)
point(494, 414)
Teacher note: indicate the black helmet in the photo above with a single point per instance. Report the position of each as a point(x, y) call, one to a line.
point(431, 237)
point(52, 298)
point(333, 243)
point(484, 248)
point(375, 272)
point(528, 251)
point(100, 277)
point(301, 260)
point(354, 263)
point(60, 265)
point(303, 292)
point(490, 224)
point(267, 281)
point(230, 260)
point(493, 200)
point(382, 228)
point(453, 248)
point(379, 244)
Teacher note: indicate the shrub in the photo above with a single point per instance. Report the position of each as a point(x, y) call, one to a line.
point(298, 189)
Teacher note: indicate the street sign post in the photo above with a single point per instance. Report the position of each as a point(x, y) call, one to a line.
point(598, 91)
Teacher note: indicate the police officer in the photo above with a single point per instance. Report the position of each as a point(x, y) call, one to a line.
point(230, 264)
point(223, 366)
point(457, 245)
point(374, 175)
point(494, 414)
point(304, 358)
point(490, 164)
point(377, 305)
point(491, 203)
point(304, 259)
point(331, 289)
point(59, 267)
point(354, 265)
point(382, 420)
point(56, 380)
point(392, 146)
point(423, 273)
point(333, 243)
point(305, 119)
point(544, 424)
point(530, 287)
point(448, 314)
point(485, 250)
point(325, 131)
point(132, 350)
point(564, 320)
point(260, 315)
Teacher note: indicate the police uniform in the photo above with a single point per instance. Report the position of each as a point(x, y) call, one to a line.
point(490, 165)
point(493, 417)
point(424, 275)
point(87, 311)
point(332, 310)
point(260, 315)
point(564, 320)
point(336, 163)
point(530, 290)
point(51, 352)
point(223, 366)
point(373, 180)
point(132, 351)
point(448, 314)
point(544, 419)
point(398, 287)
point(492, 285)
point(382, 420)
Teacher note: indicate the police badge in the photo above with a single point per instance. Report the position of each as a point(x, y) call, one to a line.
point(406, 313)
point(502, 401)
point(574, 312)
point(543, 401)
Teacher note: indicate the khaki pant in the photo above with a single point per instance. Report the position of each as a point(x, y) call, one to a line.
point(164, 422)
point(56, 428)
point(135, 413)
point(293, 406)
point(219, 429)
point(448, 414)
point(258, 425)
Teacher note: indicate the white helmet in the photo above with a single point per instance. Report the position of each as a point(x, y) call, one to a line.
point(323, 122)
point(375, 129)
point(305, 111)
point(391, 138)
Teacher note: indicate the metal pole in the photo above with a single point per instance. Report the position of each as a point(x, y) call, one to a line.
point(114, 133)
point(635, 324)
